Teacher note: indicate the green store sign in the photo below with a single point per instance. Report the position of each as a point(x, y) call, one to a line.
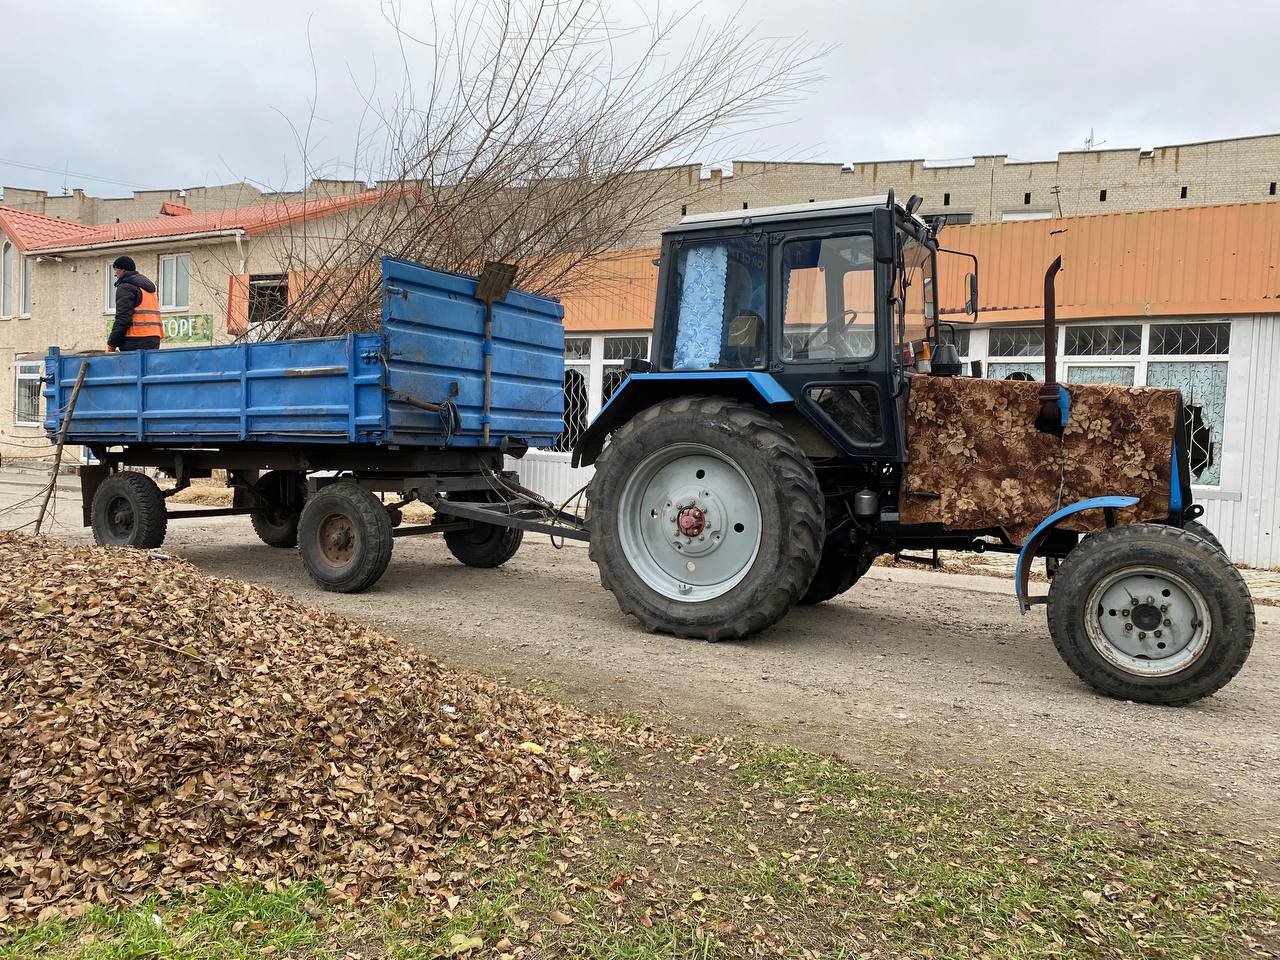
point(197, 328)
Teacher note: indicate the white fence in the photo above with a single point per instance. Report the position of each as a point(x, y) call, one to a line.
point(551, 474)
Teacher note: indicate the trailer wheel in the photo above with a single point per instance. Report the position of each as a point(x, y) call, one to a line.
point(1204, 533)
point(484, 545)
point(128, 510)
point(344, 536)
point(706, 518)
point(285, 492)
point(837, 572)
point(1151, 613)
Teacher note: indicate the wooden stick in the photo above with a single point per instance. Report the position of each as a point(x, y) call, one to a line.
point(62, 441)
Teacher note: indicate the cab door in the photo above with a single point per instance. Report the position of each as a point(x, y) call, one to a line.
point(832, 337)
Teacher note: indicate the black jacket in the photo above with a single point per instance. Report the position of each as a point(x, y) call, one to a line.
point(128, 295)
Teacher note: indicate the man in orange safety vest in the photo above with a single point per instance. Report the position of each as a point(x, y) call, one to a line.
point(137, 325)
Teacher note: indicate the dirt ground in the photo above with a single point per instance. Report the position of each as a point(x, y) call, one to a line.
point(910, 668)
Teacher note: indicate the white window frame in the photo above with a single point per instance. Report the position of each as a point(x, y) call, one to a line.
point(25, 270)
point(1227, 479)
point(167, 305)
point(26, 370)
point(8, 279)
point(109, 288)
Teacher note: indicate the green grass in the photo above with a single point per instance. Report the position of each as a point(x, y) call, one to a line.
point(702, 851)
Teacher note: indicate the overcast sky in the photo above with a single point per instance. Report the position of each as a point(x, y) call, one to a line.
point(173, 93)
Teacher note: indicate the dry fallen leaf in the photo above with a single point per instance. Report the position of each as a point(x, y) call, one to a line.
point(197, 730)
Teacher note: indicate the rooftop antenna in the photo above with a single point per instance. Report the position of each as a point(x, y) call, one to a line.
point(1090, 143)
point(66, 174)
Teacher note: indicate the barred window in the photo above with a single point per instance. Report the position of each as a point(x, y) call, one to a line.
point(1017, 342)
point(626, 348)
point(577, 348)
point(1183, 339)
point(617, 349)
point(1107, 340)
point(26, 394)
point(575, 407)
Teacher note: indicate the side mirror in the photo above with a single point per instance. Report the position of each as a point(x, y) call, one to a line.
point(882, 235)
point(971, 305)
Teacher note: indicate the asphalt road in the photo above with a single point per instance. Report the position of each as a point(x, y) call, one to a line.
point(909, 668)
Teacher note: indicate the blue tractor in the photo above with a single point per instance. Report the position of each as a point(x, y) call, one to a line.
point(788, 429)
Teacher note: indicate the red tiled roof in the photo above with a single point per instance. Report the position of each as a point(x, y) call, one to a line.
point(34, 232)
point(30, 231)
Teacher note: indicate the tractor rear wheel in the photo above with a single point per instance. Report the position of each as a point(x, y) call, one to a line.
point(1151, 613)
point(837, 571)
point(706, 518)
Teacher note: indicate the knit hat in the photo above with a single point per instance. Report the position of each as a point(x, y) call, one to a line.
point(123, 263)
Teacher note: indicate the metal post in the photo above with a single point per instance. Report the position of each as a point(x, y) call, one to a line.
point(62, 442)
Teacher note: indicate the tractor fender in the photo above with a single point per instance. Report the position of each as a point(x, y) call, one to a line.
point(642, 390)
point(1027, 554)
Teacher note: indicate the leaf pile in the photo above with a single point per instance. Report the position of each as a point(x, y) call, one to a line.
point(161, 728)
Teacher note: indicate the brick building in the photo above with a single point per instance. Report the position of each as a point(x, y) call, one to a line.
point(979, 189)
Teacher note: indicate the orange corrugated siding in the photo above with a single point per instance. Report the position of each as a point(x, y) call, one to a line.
point(617, 292)
point(1198, 260)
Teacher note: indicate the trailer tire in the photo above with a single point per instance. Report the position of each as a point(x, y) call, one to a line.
point(128, 510)
point(484, 545)
point(1204, 533)
point(1104, 621)
point(837, 572)
point(345, 538)
point(277, 524)
point(732, 468)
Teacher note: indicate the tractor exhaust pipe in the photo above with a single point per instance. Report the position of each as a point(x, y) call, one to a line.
point(1049, 419)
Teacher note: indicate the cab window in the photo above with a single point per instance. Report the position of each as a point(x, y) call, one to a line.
point(828, 298)
point(716, 306)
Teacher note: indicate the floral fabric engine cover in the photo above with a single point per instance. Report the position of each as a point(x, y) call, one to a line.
point(976, 459)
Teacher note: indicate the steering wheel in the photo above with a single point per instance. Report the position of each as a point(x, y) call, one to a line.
point(835, 326)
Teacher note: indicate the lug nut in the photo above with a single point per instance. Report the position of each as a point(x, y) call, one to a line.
point(1128, 626)
point(1168, 623)
point(1157, 633)
point(1124, 613)
point(1164, 608)
point(1142, 635)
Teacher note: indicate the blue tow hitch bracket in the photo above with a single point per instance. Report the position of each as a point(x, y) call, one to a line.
point(1028, 552)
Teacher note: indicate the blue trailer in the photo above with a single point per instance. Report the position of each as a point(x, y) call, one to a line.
point(313, 433)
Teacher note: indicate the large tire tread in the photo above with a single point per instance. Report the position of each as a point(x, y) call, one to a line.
point(370, 517)
point(799, 486)
point(151, 518)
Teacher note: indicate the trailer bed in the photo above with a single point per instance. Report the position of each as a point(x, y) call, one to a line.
point(418, 382)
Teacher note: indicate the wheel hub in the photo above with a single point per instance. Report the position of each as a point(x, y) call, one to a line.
point(1147, 621)
point(121, 516)
point(337, 539)
point(690, 522)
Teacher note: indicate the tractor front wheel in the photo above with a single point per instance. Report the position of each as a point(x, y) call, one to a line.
point(706, 519)
point(1151, 613)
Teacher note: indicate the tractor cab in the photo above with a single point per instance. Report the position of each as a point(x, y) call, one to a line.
point(825, 300)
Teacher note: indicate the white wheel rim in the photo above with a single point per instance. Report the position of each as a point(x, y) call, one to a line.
point(1148, 621)
point(689, 522)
